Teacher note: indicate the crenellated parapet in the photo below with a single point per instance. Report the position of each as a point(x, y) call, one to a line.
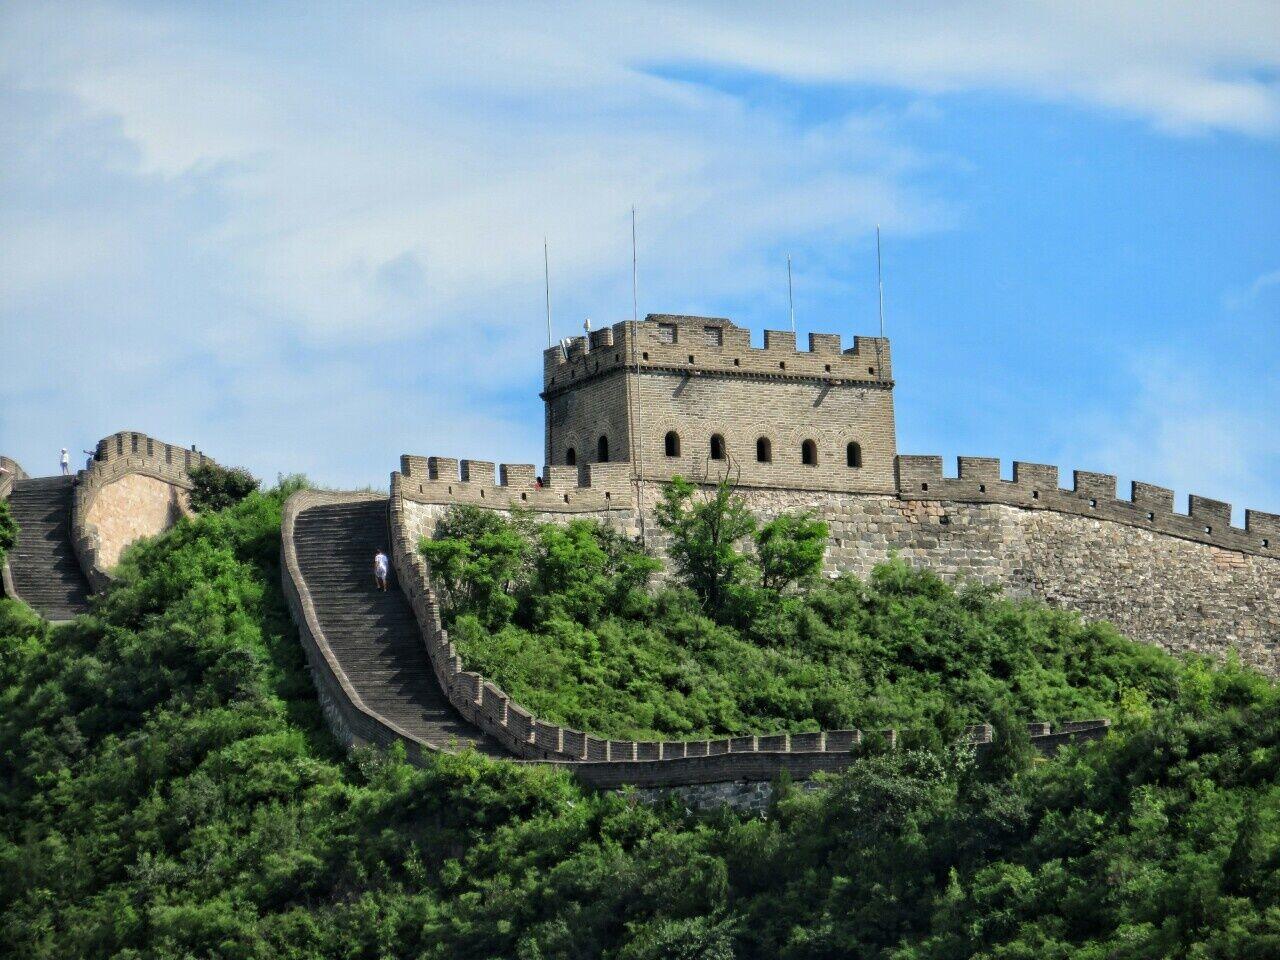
point(587, 488)
point(715, 346)
point(127, 453)
point(1035, 487)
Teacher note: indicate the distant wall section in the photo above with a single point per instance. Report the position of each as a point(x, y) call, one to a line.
point(135, 486)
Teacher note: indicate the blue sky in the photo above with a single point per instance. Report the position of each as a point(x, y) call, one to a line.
point(309, 238)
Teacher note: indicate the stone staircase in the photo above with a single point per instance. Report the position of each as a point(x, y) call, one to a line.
point(374, 635)
point(46, 574)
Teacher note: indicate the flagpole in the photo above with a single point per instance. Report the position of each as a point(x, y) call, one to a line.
point(546, 279)
point(791, 300)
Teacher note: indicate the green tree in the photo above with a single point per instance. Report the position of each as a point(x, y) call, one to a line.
point(789, 550)
point(585, 572)
point(704, 529)
point(8, 530)
point(479, 560)
point(217, 487)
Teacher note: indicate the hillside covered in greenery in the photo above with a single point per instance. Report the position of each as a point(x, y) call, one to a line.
point(168, 789)
point(563, 618)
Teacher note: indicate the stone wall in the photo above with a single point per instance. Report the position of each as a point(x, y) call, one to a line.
point(599, 762)
point(155, 482)
point(1183, 582)
point(135, 506)
point(1177, 594)
point(700, 377)
point(14, 472)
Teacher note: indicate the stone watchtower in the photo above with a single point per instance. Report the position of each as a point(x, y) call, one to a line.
point(691, 396)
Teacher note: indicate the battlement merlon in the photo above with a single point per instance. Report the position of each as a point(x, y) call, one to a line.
point(1035, 486)
point(715, 346)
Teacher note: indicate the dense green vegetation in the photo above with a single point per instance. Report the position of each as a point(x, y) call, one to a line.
point(167, 790)
point(561, 617)
point(8, 530)
point(215, 487)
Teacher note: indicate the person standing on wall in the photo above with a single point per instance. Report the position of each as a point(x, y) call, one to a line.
point(66, 463)
point(381, 568)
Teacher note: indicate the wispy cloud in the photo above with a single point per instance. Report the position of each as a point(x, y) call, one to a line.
point(1262, 285)
point(200, 206)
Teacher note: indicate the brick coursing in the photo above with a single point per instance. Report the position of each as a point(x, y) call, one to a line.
point(634, 387)
point(127, 453)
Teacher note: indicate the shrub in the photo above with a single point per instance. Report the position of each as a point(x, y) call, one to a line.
point(168, 789)
point(8, 530)
point(705, 527)
point(789, 549)
point(217, 488)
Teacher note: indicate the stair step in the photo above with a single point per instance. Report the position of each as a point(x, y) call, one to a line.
point(374, 634)
point(46, 573)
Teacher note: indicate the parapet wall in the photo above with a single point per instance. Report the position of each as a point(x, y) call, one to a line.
point(146, 508)
point(602, 762)
point(13, 472)
point(718, 346)
point(1035, 487)
point(1188, 583)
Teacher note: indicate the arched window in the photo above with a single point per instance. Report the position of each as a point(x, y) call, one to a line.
point(809, 453)
point(571, 456)
point(764, 450)
point(717, 447)
point(602, 449)
point(673, 444)
point(853, 454)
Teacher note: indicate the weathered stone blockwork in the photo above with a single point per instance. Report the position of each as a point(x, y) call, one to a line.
point(1175, 593)
point(135, 486)
point(13, 471)
point(699, 378)
point(135, 506)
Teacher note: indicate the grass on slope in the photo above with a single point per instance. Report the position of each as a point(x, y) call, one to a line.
point(167, 790)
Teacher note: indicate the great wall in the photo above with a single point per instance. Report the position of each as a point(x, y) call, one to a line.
point(628, 408)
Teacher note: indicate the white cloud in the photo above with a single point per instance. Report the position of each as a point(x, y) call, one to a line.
point(202, 204)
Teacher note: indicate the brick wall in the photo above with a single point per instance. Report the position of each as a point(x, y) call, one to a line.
point(135, 509)
point(699, 377)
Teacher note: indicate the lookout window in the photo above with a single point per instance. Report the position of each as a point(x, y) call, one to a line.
point(602, 449)
point(666, 333)
point(764, 450)
point(714, 335)
point(809, 453)
point(571, 456)
point(673, 444)
point(853, 454)
point(717, 447)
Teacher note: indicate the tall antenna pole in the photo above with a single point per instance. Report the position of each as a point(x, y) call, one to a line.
point(638, 445)
point(790, 295)
point(546, 279)
point(880, 281)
